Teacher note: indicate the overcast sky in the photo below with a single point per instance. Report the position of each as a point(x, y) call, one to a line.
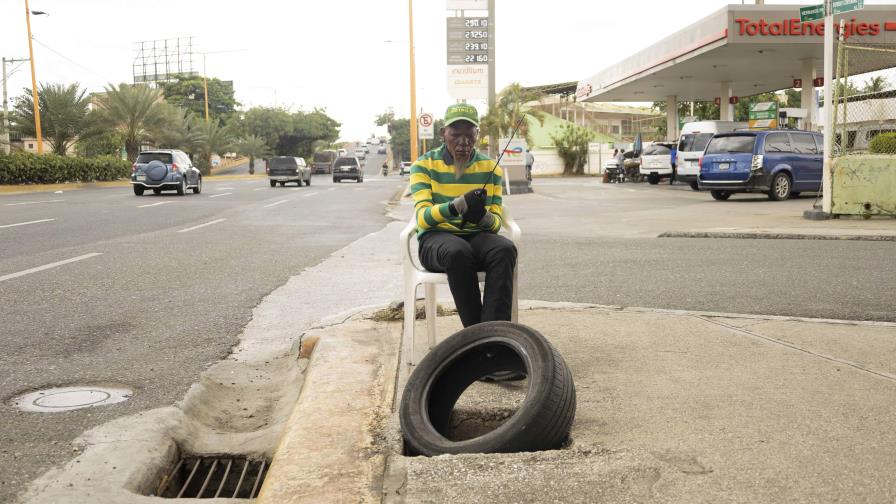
point(303, 54)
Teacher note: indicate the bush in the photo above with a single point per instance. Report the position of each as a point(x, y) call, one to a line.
point(885, 143)
point(25, 168)
point(572, 147)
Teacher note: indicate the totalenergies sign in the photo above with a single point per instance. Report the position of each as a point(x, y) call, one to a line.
point(793, 27)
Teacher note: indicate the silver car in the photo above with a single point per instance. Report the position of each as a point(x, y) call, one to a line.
point(283, 169)
point(165, 170)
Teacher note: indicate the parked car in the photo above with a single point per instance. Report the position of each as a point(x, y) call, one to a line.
point(779, 163)
point(283, 169)
point(692, 143)
point(165, 170)
point(323, 161)
point(656, 161)
point(405, 167)
point(347, 168)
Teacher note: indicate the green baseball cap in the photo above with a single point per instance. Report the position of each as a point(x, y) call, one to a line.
point(461, 112)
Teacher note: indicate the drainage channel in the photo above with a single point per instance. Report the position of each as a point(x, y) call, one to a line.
point(207, 477)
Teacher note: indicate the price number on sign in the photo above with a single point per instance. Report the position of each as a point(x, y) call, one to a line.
point(476, 46)
point(476, 34)
point(476, 58)
point(476, 23)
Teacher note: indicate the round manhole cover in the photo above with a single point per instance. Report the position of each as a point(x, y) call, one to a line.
point(70, 398)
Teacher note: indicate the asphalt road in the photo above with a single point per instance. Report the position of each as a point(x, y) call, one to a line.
point(596, 243)
point(173, 282)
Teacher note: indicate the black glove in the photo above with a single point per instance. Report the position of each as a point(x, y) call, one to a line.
point(471, 206)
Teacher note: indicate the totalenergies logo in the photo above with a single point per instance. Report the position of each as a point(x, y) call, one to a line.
point(516, 151)
point(796, 28)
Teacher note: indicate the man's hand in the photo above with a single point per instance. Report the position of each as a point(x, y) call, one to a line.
point(471, 206)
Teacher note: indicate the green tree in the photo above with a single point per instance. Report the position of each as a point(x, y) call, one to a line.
point(269, 123)
point(188, 92)
point(216, 139)
point(875, 84)
point(99, 144)
point(703, 111)
point(63, 114)
point(309, 128)
point(253, 146)
point(510, 107)
point(184, 130)
point(572, 147)
point(134, 111)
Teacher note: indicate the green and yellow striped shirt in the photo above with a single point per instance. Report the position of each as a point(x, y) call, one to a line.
point(434, 185)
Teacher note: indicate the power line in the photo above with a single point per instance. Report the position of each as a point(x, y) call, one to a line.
point(70, 60)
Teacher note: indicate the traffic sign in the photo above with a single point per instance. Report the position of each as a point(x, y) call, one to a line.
point(811, 13)
point(841, 6)
point(425, 131)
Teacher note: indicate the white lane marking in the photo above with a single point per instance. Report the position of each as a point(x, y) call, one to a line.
point(48, 266)
point(331, 189)
point(309, 194)
point(224, 188)
point(155, 204)
point(359, 189)
point(294, 189)
point(33, 202)
point(202, 225)
point(631, 190)
point(222, 194)
point(259, 188)
point(276, 203)
point(26, 223)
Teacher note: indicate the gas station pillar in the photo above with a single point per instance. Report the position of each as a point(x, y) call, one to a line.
point(726, 109)
point(671, 117)
point(807, 98)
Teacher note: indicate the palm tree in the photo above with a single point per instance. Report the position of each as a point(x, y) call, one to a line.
point(216, 139)
point(253, 146)
point(135, 111)
point(875, 84)
point(507, 111)
point(63, 112)
point(183, 132)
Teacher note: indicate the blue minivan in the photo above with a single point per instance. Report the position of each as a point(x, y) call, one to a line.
point(780, 163)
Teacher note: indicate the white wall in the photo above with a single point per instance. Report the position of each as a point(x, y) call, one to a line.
point(547, 162)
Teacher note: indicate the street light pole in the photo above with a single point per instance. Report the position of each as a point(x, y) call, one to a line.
point(40, 139)
point(413, 117)
point(205, 87)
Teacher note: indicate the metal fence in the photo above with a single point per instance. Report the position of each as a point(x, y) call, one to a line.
point(864, 104)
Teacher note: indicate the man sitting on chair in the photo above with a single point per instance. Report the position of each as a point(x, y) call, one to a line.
point(458, 222)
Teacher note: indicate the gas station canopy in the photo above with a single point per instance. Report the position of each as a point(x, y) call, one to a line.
point(748, 49)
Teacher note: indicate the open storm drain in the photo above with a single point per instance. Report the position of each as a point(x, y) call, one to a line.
point(59, 399)
point(209, 477)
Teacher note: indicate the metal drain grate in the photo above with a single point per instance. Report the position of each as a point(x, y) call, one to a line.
point(208, 477)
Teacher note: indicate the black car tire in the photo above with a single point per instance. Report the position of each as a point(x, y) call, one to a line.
point(308, 182)
point(299, 183)
point(157, 190)
point(198, 188)
point(695, 186)
point(653, 179)
point(781, 187)
point(335, 180)
point(543, 419)
point(138, 190)
point(282, 184)
point(273, 183)
point(182, 187)
point(720, 195)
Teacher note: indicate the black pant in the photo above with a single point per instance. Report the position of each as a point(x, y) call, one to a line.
point(461, 257)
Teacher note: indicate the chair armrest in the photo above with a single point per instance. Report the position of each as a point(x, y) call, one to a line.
point(406, 241)
point(516, 234)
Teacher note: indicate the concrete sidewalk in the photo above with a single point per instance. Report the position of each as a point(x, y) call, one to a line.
point(672, 407)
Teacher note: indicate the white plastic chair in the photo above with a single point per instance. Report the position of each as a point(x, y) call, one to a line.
point(415, 275)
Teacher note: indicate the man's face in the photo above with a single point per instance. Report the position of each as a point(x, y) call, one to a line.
point(460, 138)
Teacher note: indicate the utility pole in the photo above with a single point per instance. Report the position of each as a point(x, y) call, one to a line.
point(40, 137)
point(205, 87)
point(826, 183)
point(413, 118)
point(493, 149)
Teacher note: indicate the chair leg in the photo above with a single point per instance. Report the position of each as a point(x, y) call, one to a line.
point(514, 309)
point(430, 304)
point(410, 308)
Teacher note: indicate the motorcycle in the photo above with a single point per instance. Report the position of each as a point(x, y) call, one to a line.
point(385, 169)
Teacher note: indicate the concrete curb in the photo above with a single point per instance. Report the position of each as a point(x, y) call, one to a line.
point(776, 236)
point(330, 450)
